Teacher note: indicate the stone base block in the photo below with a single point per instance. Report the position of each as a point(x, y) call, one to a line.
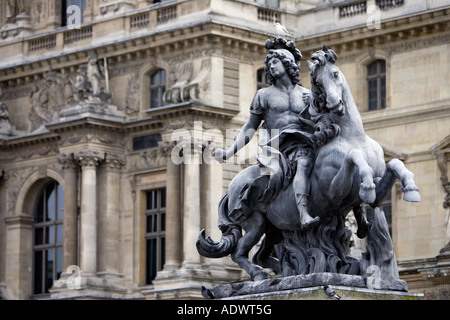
point(342, 293)
point(301, 285)
point(99, 110)
point(93, 286)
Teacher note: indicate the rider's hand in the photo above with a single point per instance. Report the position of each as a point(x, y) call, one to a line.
point(306, 98)
point(220, 155)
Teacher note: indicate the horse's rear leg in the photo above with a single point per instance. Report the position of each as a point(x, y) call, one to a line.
point(263, 256)
point(342, 182)
point(254, 227)
point(396, 169)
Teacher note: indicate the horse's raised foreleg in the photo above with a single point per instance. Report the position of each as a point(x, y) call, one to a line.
point(396, 169)
point(254, 226)
point(342, 182)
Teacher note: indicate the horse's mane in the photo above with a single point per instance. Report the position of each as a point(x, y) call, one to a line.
point(325, 128)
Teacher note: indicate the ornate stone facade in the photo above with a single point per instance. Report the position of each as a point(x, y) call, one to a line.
point(107, 156)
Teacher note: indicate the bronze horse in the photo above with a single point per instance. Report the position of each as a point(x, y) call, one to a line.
point(349, 171)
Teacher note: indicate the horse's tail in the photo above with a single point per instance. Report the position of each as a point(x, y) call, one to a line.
point(231, 233)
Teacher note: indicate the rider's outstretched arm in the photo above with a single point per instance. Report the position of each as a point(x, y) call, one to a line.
point(245, 135)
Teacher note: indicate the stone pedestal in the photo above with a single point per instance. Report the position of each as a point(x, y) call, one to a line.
point(98, 110)
point(85, 285)
point(20, 27)
point(311, 286)
point(318, 293)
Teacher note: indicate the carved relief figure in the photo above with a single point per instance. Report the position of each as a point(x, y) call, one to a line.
point(16, 7)
point(88, 83)
point(94, 73)
point(132, 96)
point(5, 125)
point(47, 98)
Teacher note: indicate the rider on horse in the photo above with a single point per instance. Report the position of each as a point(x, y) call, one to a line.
point(288, 151)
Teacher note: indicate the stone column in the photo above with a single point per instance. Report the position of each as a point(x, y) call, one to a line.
point(18, 256)
point(109, 219)
point(191, 208)
point(89, 161)
point(70, 226)
point(173, 216)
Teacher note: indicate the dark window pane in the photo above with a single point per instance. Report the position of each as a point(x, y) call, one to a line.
point(157, 88)
point(38, 272)
point(152, 200)
point(38, 236)
point(372, 69)
point(163, 198)
point(163, 222)
point(383, 93)
point(50, 235)
point(50, 203)
point(163, 252)
point(40, 210)
point(146, 142)
point(376, 82)
point(152, 221)
point(59, 257)
point(382, 65)
point(60, 202)
point(161, 96)
point(154, 79)
point(154, 98)
point(48, 269)
point(59, 233)
point(151, 268)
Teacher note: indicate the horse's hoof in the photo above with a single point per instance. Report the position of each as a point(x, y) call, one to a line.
point(363, 230)
point(367, 192)
point(260, 275)
point(411, 196)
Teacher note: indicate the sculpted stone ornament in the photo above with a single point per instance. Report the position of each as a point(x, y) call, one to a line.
point(5, 125)
point(317, 164)
point(89, 97)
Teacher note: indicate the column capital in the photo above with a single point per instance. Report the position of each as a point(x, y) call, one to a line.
point(67, 161)
point(89, 158)
point(165, 148)
point(114, 161)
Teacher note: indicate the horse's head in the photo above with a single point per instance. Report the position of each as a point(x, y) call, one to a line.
point(326, 82)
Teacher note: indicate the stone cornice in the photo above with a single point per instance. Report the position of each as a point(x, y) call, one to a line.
point(156, 120)
point(27, 140)
point(401, 116)
point(204, 32)
point(184, 109)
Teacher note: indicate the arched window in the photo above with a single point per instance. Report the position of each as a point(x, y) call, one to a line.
point(157, 88)
point(48, 236)
point(261, 80)
point(376, 84)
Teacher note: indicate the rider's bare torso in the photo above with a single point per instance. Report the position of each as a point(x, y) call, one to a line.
point(279, 108)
